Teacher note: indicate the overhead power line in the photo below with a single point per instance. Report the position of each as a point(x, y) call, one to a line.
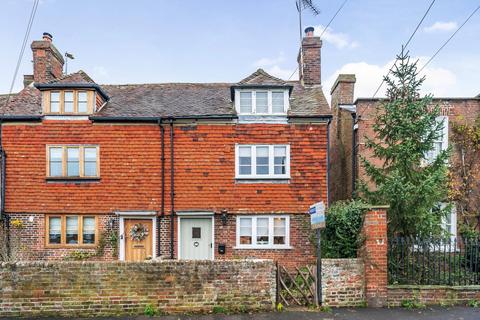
point(324, 29)
point(405, 46)
point(448, 40)
point(22, 50)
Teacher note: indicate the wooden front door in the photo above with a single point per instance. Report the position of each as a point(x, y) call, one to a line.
point(138, 250)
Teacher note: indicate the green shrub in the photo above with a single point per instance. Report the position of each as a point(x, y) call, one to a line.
point(219, 309)
point(150, 310)
point(341, 236)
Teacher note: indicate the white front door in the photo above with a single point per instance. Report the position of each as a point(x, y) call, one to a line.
point(196, 239)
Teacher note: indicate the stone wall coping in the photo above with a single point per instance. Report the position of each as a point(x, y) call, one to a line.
point(378, 206)
point(176, 262)
point(433, 287)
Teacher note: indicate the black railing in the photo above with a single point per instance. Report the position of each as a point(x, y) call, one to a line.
point(434, 261)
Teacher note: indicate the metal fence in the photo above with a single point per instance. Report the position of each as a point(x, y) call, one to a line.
point(451, 261)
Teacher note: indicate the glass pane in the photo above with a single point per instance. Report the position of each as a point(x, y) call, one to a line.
point(54, 106)
point(88, 230)
point(196, 233)
point(262, 231)
point(279, 230)
point(262, 160)
point(90, 163)
point(82, 96)
point(245, 231)
point(262, 102)
point(68, 101)
point(280, 160)
point(55, 162)
point(55, 96)
point(82, 107)
point(55, 230)
point(246, 102)
point(277, 102)
point(73, 157)
point(82, 101)
point(90, 169)
point(90, 154)
point(72, 230)
point(245, 160)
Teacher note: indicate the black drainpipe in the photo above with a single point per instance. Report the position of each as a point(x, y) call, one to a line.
point(328, 161)
point(162, 210)
point(172, 192)
point(354, 154)
point(3, 217)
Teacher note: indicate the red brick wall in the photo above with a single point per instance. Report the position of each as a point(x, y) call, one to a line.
point(374, 253)
point(130, 171)
point(130, 168)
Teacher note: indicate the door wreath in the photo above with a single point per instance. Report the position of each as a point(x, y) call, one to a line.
point(138, 232)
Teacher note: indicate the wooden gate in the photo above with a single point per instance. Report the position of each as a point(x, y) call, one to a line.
point(298, 287)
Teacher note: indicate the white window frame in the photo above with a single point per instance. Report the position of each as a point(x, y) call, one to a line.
point(254, 101)
point(270, 244)
point(429, 158)
point(271, 162)
point(453, 221)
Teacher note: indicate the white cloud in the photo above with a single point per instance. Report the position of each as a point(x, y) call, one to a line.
point(273, 66)
point(439, 81)
point(282, 73)
point(265, 62)
point(338, 39)
point(442, 26)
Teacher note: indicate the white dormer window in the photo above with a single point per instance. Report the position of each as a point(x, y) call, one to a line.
point(261, 102)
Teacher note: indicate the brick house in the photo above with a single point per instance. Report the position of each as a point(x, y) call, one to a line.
point(173, 170)
point(353, 121)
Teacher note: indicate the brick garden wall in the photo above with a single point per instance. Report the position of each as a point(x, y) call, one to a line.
point(343, 282)
point(433, 295)
point(114, 288)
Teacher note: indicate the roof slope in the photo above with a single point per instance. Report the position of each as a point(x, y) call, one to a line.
point(174, 99)
point(260, 77)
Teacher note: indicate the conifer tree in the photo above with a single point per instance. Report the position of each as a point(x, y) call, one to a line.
point(406, 128)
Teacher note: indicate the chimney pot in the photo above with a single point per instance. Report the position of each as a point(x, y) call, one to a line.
point(309, 31)
point(47, 36)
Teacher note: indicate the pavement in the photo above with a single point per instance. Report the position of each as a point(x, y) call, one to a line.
point(434, 313)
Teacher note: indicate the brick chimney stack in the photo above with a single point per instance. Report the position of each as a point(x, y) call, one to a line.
point(47, 60)
point(310, 72)
point(342, 91)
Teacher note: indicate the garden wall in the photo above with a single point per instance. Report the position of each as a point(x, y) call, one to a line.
point(433, 295)
point(114, 288)
point(343, 282)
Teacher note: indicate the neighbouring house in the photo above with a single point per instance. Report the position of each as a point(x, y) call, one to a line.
point(172, 170)
point(353, 121)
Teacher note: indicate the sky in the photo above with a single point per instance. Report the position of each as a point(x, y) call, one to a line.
point(118, 42)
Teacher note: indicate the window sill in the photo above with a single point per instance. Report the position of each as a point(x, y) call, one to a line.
point(71, 246)
point(264, 248)
point(72, 179)
point(283, 180)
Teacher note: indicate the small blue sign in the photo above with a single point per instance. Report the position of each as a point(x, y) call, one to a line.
point(317, 215)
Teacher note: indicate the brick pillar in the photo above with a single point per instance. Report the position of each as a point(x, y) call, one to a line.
point(374, 253)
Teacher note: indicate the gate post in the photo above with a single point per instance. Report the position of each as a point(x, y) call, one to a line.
point(374, 253)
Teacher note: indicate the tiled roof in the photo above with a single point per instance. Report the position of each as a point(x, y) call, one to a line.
point(174, 99)
point(260, 77)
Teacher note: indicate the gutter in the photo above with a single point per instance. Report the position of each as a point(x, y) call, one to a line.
point(155, 119)
point(20, 118)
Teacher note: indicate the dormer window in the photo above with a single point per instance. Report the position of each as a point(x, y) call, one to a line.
point(68, 102)
point(261, 102)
